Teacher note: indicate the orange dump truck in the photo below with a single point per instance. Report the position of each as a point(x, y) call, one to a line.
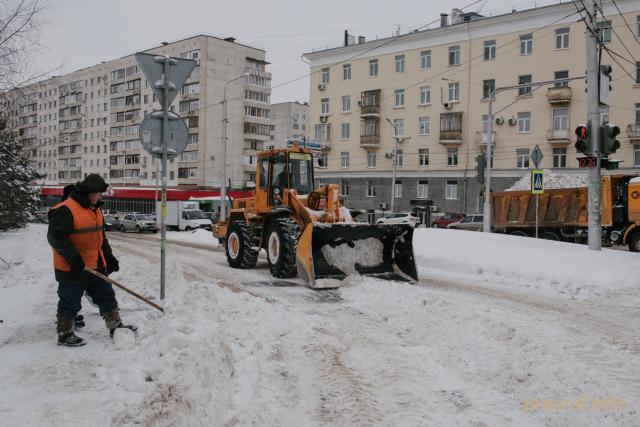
point(563, 213)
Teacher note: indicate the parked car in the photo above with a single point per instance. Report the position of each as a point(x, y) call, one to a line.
point(111, 222)
point(400, 218)
point(213, 216)
point(446, 219)
point(138, 223)
point(471, 223)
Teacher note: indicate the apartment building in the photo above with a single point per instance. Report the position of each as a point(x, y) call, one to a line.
point(432, 86)
point(290, 121)
point(87, 121)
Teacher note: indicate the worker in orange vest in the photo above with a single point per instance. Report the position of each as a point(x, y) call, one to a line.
point(76, 235)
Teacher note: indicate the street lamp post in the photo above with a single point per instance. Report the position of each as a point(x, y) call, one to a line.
point(394, 157)
point(223, 151)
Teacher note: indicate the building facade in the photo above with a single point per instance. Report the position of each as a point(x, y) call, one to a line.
point(290, 122)
point(432, 88)
point(87, 121)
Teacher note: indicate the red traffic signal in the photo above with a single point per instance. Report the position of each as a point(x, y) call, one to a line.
point(582, 143)
point(582, 132)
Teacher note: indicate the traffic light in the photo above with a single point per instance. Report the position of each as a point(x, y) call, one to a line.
point(583, 143)
point(481, 163)
point(604, 83)
point(609, 139)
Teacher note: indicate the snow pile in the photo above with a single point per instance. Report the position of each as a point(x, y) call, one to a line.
point(552, 180)
point(523, 263)
point(365, 252)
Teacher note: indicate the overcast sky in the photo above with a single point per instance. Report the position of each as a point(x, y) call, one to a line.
point(81, 33)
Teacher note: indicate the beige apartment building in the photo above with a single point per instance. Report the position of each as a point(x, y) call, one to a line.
point(87, 121)
point(433, 86)
point(290, 122)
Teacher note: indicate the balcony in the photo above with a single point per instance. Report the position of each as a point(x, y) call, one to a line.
point(451, 128)
point(559, 95)
point(558, 137)
point(367, 141)
point(633, 131)
point(482, 138)
point(370, 103)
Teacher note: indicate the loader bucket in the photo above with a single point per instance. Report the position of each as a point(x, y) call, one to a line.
point(334, 251)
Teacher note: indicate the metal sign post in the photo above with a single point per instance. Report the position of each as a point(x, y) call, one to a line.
point(163, 133)
point(537, 180)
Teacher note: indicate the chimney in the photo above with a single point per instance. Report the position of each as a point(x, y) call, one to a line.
point(346, 37)
point(361, 39)
point(443, 19)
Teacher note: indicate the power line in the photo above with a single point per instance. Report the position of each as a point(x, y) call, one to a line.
point(635, 36)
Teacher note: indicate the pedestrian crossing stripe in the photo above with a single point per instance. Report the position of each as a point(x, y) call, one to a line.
point(537, 181)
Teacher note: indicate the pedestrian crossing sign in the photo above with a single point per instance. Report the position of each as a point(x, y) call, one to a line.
point(537, 181)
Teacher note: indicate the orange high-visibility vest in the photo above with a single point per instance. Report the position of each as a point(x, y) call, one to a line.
point(86, 236)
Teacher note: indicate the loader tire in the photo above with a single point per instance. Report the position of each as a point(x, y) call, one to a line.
point(239, 246)
point(281, 247)
point(634, 243)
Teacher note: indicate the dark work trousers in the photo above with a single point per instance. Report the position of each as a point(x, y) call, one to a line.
point(70, 297)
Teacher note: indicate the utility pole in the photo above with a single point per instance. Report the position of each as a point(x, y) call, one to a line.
point(394, 157)
point(593, 115)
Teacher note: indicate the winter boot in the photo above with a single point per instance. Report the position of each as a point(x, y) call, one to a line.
point(113, 321)
point(66, 336)
point(78, 322)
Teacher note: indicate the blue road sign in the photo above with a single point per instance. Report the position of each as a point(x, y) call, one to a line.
point(537, 181)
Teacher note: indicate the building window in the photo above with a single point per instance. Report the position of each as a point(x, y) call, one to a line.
point(423, 125)
point(488, 86)
point(346, 72)
point(559, 157)
point(526, 44)
point(454, 92)
point(371, 189)
point(399, 157)
point(526, 90)
point(522, 156)
point(425, 57)
point(398, 125)
point(454, 55)
point(344, 187)
point(561, 75)
point(425, 95)
point(638, 72)
point(636, 155)
point(371, 159)
point(562, 38)
point(399, 98)
point(346, 104)
point(324, 76)
point(397, 189)
point(489, 50)
point(452, 190)
point(373, 67)
point(605, 31)
point(423, 189)
point(399, 63)
point(344, 160)
point(638, 26)
point(452, 156)
point(344, 131)
point(524, 122)
point(324, 108)
point(423, 156)
point(560, 119)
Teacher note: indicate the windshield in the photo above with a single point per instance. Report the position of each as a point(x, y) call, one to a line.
point(300, 172)
point(197, 215)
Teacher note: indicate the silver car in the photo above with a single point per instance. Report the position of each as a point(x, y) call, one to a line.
point(471, 223)
point(138, 223)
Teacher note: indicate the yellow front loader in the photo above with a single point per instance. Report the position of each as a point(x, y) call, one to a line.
point(307, 231)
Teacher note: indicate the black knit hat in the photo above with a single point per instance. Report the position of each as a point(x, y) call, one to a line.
point(93, 183)
point(68, 189)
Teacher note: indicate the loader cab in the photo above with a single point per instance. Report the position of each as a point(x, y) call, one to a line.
point(293, 170)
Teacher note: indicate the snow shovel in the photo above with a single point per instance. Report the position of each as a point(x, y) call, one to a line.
point(124, 288)
point(334, 251)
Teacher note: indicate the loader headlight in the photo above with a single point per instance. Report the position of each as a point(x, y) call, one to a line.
point(276, 191)
point(614, 236)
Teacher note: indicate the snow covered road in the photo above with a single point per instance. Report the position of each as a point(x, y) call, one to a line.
point(236, 347)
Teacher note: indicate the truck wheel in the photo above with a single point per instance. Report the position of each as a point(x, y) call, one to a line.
point(550, 235)
point(281, 247)
point(634, 243)
point(239, 246)
point(518, 233)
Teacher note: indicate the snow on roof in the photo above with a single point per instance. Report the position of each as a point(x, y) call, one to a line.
point(552, 180)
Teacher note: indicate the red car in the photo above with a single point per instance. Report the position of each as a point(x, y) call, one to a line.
point(447, 219)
